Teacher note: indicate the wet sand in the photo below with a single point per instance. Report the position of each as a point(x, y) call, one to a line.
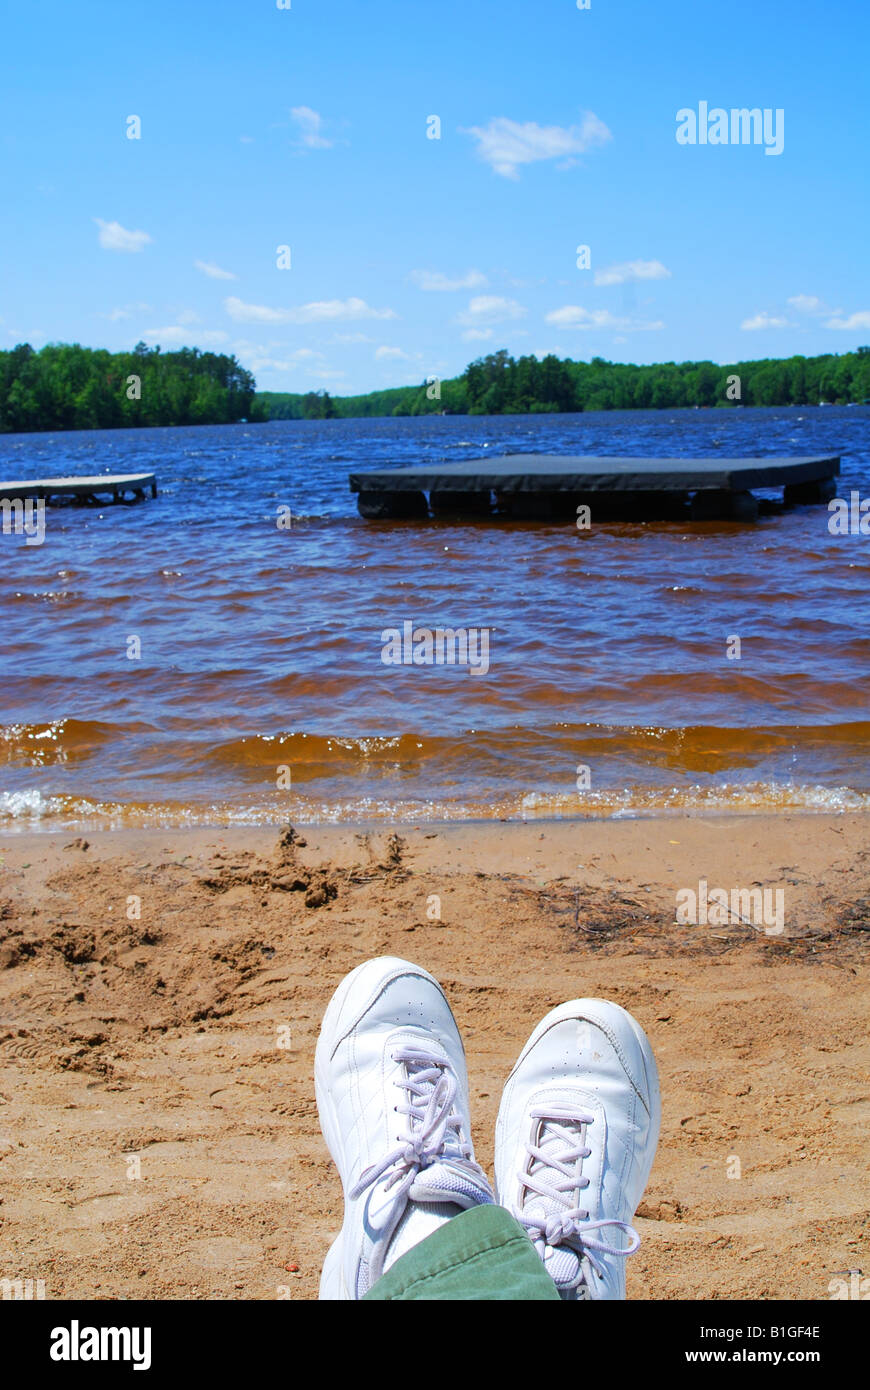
point(158, 1131)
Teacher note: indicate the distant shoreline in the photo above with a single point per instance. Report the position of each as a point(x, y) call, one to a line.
point(67, 387)
point(289, 420)
point(498, 384)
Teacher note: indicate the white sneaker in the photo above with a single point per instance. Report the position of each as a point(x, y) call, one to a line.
point(575, 1140)
point(392, 1093)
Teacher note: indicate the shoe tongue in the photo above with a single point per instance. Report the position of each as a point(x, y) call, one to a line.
point(444, 1181)
point(561, 1262)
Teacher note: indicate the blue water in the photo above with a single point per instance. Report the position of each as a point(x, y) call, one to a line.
point(261, 647)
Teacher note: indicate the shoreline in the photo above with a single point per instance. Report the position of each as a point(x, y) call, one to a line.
point(263, 832)
point(537, 416)
point(84, 825)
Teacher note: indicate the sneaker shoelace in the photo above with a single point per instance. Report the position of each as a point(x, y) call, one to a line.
point(552, 1215)
point(434, 1134)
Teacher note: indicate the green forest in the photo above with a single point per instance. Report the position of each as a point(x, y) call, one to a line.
point(502, 385)
point(70, 387)
point(67, 387)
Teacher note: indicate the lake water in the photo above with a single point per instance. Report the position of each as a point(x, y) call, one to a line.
point(261, 647)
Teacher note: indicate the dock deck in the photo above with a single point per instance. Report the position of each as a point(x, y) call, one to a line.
point(86, 489)
point(544, 485)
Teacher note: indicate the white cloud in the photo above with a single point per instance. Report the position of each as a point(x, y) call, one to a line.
point(322, 311)
point(178, 333)
point(574, 316)
point(490, 308)
point(506, 144)
point(254, 313)
point(214, 271)
point(764, 320)
point(244, 345)
point(473, 335)
point(436, 280)
point(631, 270)
point(392, 352)
point(353, 338)
point(861, 320)
point(261, 356)
point(114, 237)
point(126, 312)
point(808, 304)
point(270, 364)
point(310, 124)
point(188, 316)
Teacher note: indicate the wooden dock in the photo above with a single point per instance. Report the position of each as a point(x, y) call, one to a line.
point(88, 491)
point(550, 487)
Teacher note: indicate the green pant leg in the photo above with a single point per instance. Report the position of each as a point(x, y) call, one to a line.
point(482, 1255)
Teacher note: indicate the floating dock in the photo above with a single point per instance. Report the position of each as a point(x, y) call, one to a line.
point(87, 491)
point(549, 487)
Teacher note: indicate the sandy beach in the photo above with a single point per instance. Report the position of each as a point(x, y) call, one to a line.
point(158, 1131)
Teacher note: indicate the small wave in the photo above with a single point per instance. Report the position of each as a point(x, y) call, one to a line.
point(301, 749)
point(29, 805)
point(30, 809)
point(58, 740)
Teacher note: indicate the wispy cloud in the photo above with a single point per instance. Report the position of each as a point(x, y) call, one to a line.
point(506, 144)
point(435, 280)
point(126, 312)
point(810, 304)
point(626, 271)
point(323, 311)
point(214, 272)
point(310, 127)
point(474, 335)
point(270, 364)
point(765, 320)
point(490, 308)
point(575, 316)
point(859, 320)
point(114, 237)
point(255, 313)
point(397, 353)
point(260, 358)
point(182, 334)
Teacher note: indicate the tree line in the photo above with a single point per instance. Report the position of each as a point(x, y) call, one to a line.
point(68, 387)
point(65, 386)
point(499, 384)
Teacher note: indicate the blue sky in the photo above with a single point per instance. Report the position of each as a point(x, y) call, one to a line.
point(307, 127)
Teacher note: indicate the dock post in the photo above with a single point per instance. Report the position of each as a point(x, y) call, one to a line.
point(529, 506)
point(392, 506)
point(445, 502)
point(721, 505)
point(819, 490)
